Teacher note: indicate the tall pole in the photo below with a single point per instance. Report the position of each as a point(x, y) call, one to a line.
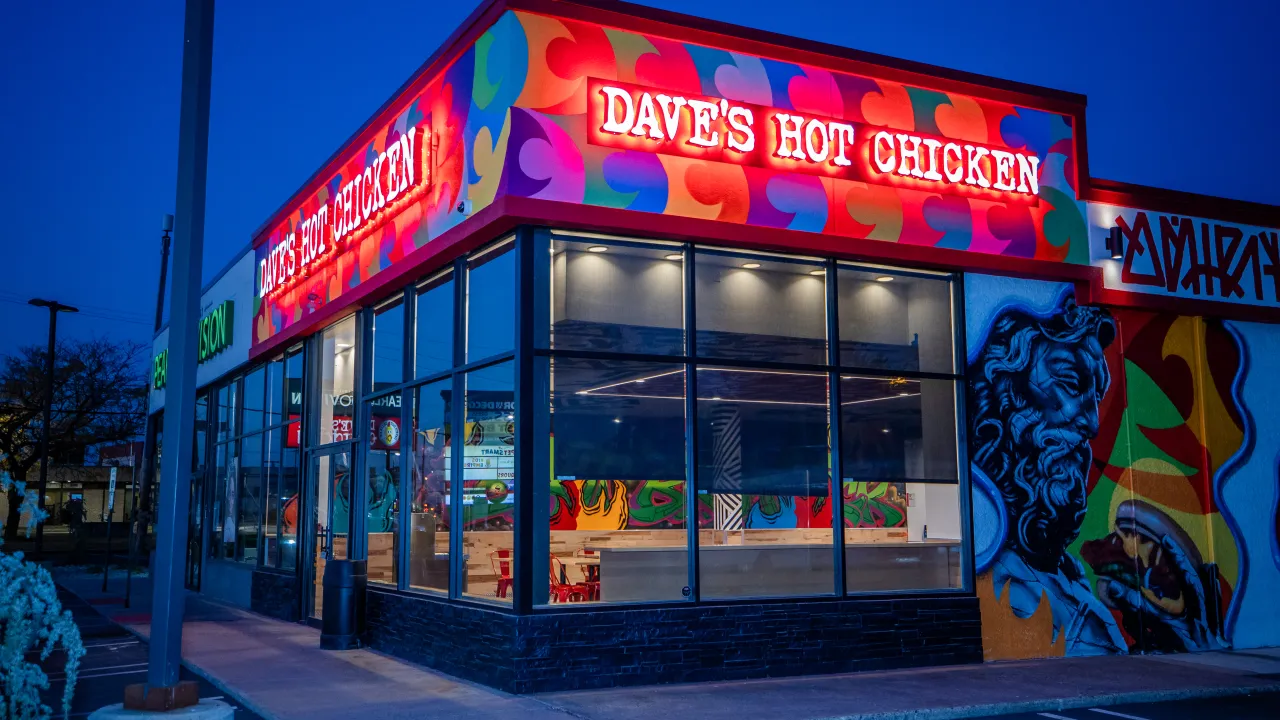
point(180, 388)
point(54, 308)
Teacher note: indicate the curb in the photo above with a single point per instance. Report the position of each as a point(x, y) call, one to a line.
point(1069, 703)
point(195, 669)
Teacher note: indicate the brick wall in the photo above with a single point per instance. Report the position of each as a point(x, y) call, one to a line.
point(603, 648)
point(275, 594)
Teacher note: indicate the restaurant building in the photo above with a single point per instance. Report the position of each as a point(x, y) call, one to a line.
point(629, 347)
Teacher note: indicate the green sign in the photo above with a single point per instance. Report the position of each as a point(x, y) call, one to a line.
point(160, 373)
point(215, 331)
point(215, 336)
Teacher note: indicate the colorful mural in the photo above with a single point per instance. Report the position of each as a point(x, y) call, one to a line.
point(510, 117)
point(660, 505)
point(1103, 445)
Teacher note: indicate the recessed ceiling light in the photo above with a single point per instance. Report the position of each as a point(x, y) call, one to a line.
point(817, 272)
point(597, 249)
point(885, 278)
point(676, 256)
point(617, 420)
point(716, 397)
point(903, 394)
point(885, 430)
point(751, 266)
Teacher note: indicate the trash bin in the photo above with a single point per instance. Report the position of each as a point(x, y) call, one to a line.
point(342, 620)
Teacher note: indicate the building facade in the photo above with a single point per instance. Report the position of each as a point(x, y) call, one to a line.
point(767, 358)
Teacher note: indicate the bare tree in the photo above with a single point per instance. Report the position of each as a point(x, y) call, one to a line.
point(99, 396)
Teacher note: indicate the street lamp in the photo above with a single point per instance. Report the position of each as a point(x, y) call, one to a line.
point(54, 307)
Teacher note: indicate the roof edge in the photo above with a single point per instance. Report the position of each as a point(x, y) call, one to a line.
point(1178, 202)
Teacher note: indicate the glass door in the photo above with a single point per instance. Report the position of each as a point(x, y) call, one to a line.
point(329, 487)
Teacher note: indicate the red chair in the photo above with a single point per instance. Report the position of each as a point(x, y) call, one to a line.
point(501, 561)
point(590, 574)
point(562, 590)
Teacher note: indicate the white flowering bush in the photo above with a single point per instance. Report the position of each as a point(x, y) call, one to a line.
point(32, 625)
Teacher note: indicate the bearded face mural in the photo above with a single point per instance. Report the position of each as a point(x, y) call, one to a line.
point(1034, 392)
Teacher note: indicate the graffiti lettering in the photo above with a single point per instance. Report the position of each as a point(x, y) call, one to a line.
point(1201, 258)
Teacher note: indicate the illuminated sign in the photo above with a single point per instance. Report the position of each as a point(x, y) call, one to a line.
point(215, 330)
point(160, 370)
point(395, 177)
point(632, 117)
point(1188, 257)
point(214, 336)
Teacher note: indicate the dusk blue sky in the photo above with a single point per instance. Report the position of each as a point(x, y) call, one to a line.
point(1187, 99)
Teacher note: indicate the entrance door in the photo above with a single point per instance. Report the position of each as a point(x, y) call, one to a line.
point(329, 487)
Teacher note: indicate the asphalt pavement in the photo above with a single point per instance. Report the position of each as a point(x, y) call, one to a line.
point(1265, 706)
point(113, 659)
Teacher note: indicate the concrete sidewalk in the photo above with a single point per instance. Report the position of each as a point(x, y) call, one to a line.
point(277, 670)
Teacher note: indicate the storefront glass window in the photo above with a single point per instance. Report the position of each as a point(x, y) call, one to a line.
point(489, 482)
point(491, 302)
point(294, 390)
point(763, 483)
point(429, 494)
point(382, 501)
point(219, 500)
point(617, 297)
point(895, 321)
point(434, 326)
point(760, 308)
point(618, 529)
point(290, 483)
point(337, 382)
point(275, 392)
point(226, 414)
point(248, 500)
point(272, 475)
point(388, 346)
point(254, 401)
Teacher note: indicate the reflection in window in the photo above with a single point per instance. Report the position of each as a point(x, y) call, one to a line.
point(254, 401)
point(618, 530)
point(275, 391)
point(760, 308)
point(272, 472)
point(388, 346)
point(290, 485)
point(763, 484)
point(219, 500)
point(620, 298)
point(337, 382)
point(382, 509)
point(900, 487)
point(433, 339)
point(491, 302)
point(429, 499)
point(895, 321)
point(248, 500)
point(489, 481)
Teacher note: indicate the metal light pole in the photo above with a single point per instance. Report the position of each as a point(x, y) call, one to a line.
point(163, 690)
point(138, 521)
point(54, 307)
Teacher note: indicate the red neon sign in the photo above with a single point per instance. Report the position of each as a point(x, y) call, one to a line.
point(632, 117)
point(395, 178)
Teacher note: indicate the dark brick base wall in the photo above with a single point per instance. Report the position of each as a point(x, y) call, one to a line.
point(576, 650)
point(275, 594)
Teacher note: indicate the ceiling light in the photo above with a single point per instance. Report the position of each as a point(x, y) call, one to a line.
point(716, 397)
point(617, 420)
point(885, 278)
point(885, 430)
point(597, 249)
point(903, 394)
point(817, 272)
point(751, 266)
point(676, 256)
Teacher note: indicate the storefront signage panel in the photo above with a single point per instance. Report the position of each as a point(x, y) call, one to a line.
point(631, 117)
point(215, 335)
point(1188, 257)
point(519, 113)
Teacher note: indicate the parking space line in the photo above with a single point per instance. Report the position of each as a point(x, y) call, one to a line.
point(1113, 713)
point(1055, 717)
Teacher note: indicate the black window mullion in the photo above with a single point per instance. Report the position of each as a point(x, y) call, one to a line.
point(457, 568)
point(691, 424)
point(408, 437)
point(836, 486)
